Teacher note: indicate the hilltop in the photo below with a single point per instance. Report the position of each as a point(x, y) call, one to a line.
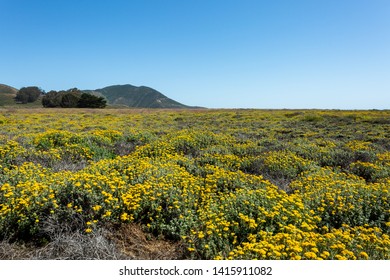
point(136, 97)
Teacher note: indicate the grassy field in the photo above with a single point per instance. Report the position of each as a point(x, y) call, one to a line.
point(194, 184)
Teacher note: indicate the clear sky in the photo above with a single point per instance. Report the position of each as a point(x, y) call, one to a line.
point(331, 54)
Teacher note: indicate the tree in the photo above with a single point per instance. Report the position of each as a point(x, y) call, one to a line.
point(52, 99)
point(70, 98)
point(91, 101)
point(28, 94)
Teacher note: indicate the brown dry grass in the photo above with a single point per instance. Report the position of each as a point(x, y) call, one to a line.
point(134, 243)
point(126, 242)
point(66, 246)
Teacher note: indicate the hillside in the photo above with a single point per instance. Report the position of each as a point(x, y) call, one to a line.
point(7, 89)
point(7, 95)
point(7, 98)
point(139, 97)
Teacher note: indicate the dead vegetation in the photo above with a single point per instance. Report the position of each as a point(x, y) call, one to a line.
point(134, 243)
point(126, 242)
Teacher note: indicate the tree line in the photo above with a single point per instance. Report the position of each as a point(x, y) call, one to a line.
point(72, 98)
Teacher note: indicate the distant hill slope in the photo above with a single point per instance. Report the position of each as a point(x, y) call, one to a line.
point(7, 89)
point(139, 97)
point(7, 98)
point(7, 95)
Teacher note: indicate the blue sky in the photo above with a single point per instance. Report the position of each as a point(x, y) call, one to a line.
point(330, 54)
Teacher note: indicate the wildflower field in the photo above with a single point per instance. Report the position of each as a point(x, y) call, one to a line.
point(219, 184)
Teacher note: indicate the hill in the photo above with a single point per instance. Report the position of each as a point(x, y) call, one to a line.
point(139, 97)
point(7, 98)
point(7, 95)
point(7, 89)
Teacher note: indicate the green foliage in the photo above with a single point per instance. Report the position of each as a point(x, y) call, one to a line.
point(53, 99)
point(371, 172)
point(340, 198)
point(72, 98)
point(91, 101)
point(28, 94)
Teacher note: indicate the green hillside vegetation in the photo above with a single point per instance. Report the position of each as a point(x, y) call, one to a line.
point(139, 97)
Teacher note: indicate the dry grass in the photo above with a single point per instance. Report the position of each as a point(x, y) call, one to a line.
point(70, 246)
point(134, 243)
point(126, 242)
